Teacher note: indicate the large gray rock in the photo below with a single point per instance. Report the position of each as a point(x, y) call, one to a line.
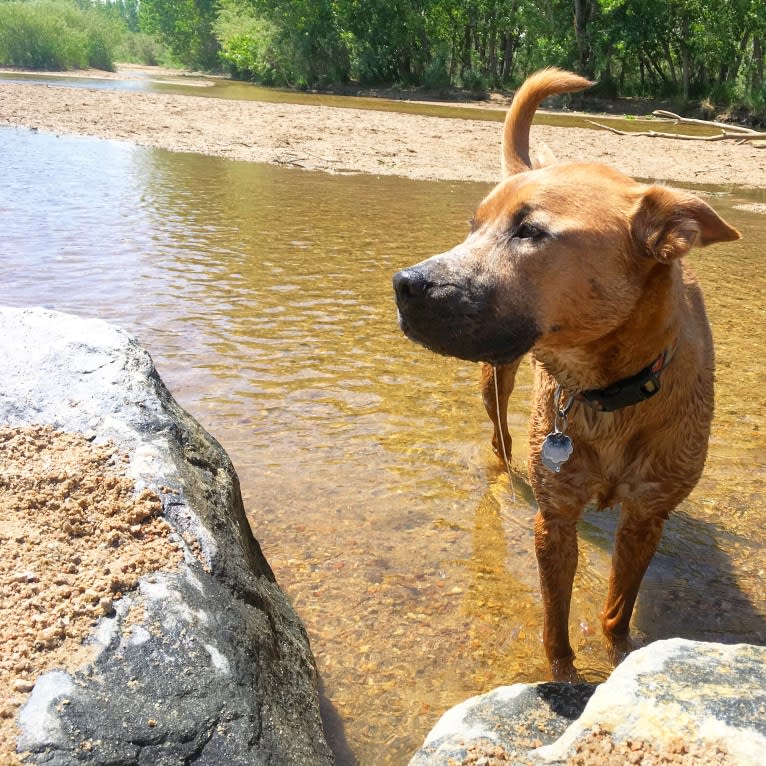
point(221, 664)
point(701, 702)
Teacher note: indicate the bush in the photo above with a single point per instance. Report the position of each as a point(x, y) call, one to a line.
point(141, 48)
point(30, 38)
point(56, 35)
point(757, 103)
point(474, 81)
point(436, 75)
point(250, 48)
point(300, 52)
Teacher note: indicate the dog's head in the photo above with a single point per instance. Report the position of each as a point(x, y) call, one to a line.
point(557, 255)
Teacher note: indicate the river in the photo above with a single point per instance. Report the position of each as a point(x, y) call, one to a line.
point(263, 295)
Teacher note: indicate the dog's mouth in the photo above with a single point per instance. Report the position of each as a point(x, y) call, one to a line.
point(460, 320)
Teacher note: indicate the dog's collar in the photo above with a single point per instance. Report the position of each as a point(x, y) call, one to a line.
point(629, 391)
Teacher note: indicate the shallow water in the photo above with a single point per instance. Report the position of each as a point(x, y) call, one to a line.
point(263, 295)
point(221, 87)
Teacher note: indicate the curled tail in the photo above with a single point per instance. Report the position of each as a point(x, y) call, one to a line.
point(540, 85)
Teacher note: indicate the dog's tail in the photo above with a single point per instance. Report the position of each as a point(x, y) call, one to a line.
point(540, 85)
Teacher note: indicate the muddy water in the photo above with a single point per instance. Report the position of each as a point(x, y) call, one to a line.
point(264, 297)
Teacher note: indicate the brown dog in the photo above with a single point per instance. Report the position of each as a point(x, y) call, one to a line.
point(582, 266)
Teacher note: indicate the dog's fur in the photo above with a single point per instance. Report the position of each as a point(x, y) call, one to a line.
point(582, 266)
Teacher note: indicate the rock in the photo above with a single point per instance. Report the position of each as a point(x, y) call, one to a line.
point(514, 718)
point(219, 670)
point(696, 692)
point(683, 701)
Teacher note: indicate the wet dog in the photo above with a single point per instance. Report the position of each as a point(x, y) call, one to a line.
point(582, 266)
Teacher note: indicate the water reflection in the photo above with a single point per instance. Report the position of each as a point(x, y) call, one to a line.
point(264, 297)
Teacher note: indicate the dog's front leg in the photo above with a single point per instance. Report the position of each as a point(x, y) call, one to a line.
point(556, 549)
point(495, 398)
point(638, 534)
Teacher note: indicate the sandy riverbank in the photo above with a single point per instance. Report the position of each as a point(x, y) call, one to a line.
point(344, 140)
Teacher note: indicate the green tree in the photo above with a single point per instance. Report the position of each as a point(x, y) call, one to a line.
point(684, 48)
point(295, 42)
point(186, 27)
point(689, 48)
point(387, 39)
point(124, 10)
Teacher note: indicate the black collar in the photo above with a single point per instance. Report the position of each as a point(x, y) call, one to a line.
point(629, 391)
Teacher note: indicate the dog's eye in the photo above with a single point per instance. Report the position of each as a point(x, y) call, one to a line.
point(527, 230)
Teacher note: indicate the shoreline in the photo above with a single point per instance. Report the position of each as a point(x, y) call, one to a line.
point(317, 137)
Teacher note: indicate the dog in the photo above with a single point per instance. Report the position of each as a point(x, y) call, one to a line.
point(582, 266)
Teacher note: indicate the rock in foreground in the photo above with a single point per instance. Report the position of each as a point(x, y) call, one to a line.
point(672, 702)
point(206, 663)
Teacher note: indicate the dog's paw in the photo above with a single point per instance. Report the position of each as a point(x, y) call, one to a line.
point(498, 444)
point(619, 648)
point(564, 671)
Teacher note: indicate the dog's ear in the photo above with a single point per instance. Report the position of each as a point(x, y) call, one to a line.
point(544, 156)
point(668, 223)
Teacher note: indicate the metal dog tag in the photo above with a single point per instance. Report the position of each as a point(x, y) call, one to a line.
point(556, 450)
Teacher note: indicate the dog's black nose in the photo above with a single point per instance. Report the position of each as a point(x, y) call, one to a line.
point(410, 284)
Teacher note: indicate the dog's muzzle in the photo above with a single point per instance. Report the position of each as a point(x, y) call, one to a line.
point(429, 309)
point(456, 315)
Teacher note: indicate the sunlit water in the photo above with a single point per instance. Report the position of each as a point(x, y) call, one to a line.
point(263, 295)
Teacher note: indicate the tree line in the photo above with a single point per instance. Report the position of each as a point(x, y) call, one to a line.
point(687, 49)
point(675, 49)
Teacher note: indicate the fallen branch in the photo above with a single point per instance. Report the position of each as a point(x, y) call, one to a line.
point(678, 120)
point(743, 139)
point(660, 134)
point(728, 133)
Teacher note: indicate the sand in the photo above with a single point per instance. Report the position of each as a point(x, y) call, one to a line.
point(342, 140)
point(75, 537)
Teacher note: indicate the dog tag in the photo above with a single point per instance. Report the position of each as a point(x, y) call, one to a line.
point(556, 450)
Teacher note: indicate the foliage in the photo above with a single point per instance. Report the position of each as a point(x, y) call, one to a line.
point(286, 42)
point(250, 47)
point(676, 49)
point(387, 39)
point(142, 48)
point(43, 34)
point(686, 48)
point(124, 11)
point(185, 27)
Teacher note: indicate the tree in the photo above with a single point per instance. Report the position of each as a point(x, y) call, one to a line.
point(186, 27)
point(583, 10)
point(299, 42)
point(126, 10)
point(663, 48)
point(388, 39)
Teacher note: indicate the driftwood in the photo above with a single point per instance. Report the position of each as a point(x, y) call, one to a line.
point(728, 132)
point(678, 120)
